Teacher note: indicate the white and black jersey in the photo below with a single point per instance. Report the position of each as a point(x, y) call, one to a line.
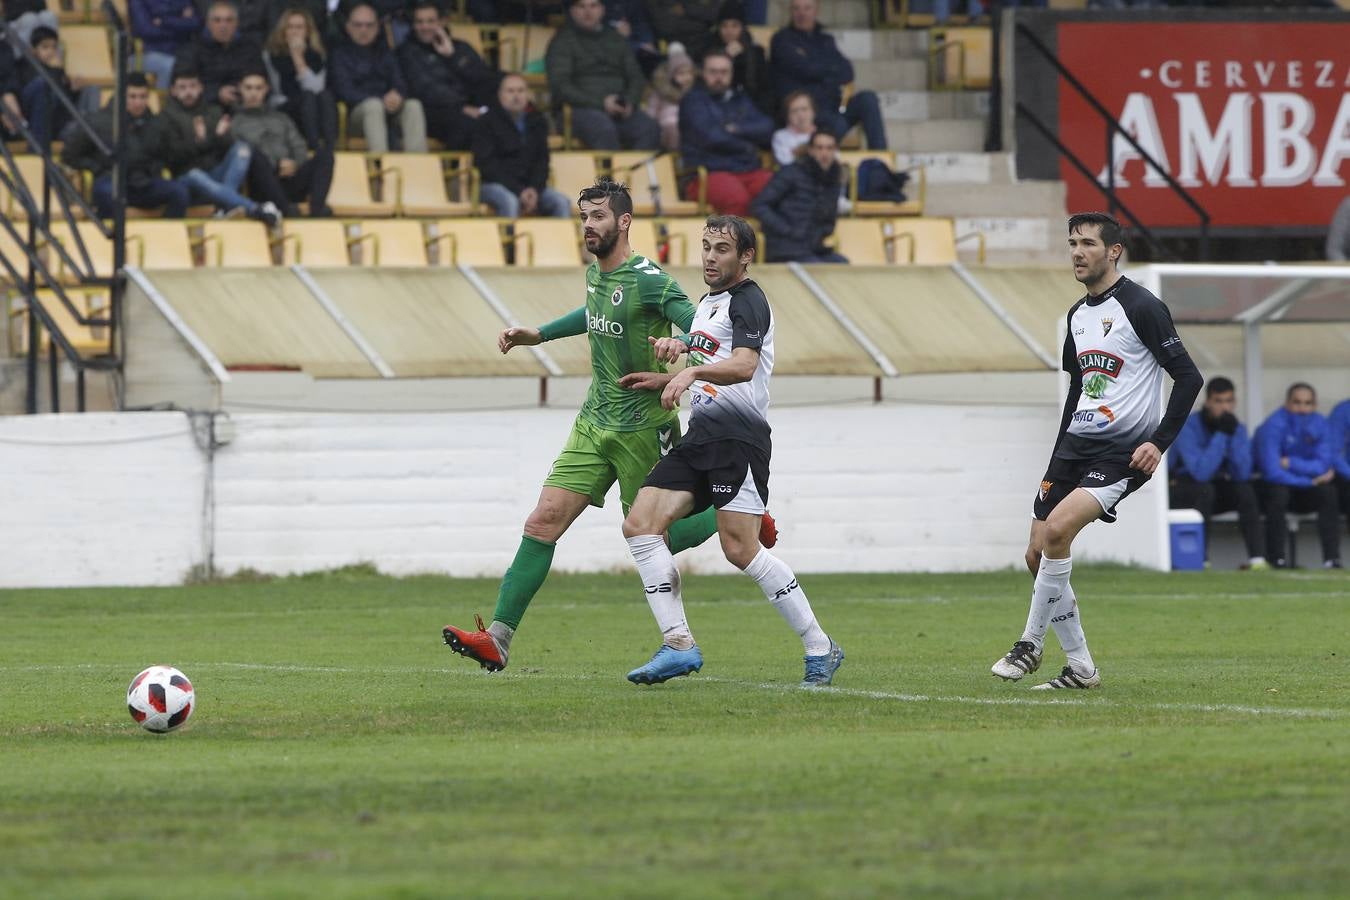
point(1117, 347)
point(737, 317)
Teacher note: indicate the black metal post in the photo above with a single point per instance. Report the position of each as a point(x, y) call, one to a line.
point(993, 137)
point(54, 374)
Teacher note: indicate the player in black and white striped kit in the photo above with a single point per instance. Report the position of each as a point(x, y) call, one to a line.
point(723, 460)
point(1111, 437)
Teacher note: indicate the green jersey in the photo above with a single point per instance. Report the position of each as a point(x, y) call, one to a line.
point(623, 308)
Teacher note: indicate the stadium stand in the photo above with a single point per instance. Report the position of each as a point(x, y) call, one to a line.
point(314, 242)
point(391, 242)
point(235, 244)
point(473, 242)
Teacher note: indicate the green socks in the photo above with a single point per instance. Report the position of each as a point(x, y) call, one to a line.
point(693, 530)
point(523, 580)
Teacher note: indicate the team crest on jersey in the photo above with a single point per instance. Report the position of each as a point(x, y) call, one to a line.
point(617, 297)
point(1106, 326)
point(1045, 489)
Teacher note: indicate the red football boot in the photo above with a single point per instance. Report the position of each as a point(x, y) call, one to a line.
point(768, 531)
point(476, 645)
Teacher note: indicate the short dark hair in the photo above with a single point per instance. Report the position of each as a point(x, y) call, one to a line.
point(254, 70)
point(616, 192)
point(717, 51)
point(1299, 386)
point(136, 80)
point(737, 227)
point(1112, 231)
point(185, 70)
point(794, 97)
point(1219, 385)
point(425, 4)
point(40, 34)
point(818, 132)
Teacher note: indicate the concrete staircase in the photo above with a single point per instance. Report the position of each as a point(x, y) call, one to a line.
point(944, 131)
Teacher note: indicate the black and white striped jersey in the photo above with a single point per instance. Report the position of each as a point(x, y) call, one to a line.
point(737, 317)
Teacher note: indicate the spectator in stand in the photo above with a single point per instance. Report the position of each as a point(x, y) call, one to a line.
point(1339, 422)
point(22, 16)
point(1211, 468)
point(367, 77)
point(591, 67)
point(147, 188)
point(447, 76)
point(805, 58)
point(369, 80)
point(797, 209)
point(297, 70)
point(1338, 236)
point(289, 174)
point(790, 141)
point(221, 55)
point(691, 22)
point(38, 100)
point(201, 150)
point(722, 130)
point(670, 82)
point(629, 19)
point(1293, 449)
point(163, 27)
point(11, 111)
point(750, 64)
point(510, 149)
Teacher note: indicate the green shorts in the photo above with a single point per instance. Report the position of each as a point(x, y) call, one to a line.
point(594, 458)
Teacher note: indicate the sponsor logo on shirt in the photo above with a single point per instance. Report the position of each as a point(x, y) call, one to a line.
point(704, 343)
point(1170, 341)
point(1100, 361)
point(1108, 416)
point(1095, 476)
point(604, 325)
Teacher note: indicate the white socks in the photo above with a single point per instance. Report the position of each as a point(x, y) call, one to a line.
point(1053, 603)
point(661, 581)
point(778, 583)
point(1069, 629)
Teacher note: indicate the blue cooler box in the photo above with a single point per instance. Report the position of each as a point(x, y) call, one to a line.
point(1187, 529)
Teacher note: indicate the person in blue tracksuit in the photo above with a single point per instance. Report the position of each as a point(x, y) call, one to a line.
point(1211, 468)
point(1293, 450)
point(1339, 422)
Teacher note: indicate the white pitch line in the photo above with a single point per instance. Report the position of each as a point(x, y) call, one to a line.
point(785, 687)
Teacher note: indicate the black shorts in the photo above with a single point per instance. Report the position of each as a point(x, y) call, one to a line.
point(730, 475)
point(1109, 479)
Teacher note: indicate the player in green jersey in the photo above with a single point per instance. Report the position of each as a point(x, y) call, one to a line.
point(619, 434)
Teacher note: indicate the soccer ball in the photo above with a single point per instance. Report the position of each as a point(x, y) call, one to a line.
point(160, 699)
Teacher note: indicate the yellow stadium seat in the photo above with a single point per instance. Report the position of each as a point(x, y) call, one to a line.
point(916, 190)
point(159, 244)
point(87, 54)
point(471, 242)
point(924, 242)
point(546, 242)
point(236, 243)
point(863, 241)
point(762, 36)
point(30, 170)
point(685, 238)
point(392, 242)
point(88, 340)
point(418, 185)
point(960, 58)
point(314, 242)
point(469, 33)
point(69, 11)
point(569, 172)
point(515, 56)
point(351, 193)
point(100, 251)
point(13, 251)
point(625, 168)
point(643, 238)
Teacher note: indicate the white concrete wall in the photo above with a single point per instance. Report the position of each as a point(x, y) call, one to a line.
point(899, 487)
point(100, 499)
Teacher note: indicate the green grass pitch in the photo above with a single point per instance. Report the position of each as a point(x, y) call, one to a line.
point(340, 750)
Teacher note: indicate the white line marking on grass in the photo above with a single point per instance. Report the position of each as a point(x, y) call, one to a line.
point(774, 687)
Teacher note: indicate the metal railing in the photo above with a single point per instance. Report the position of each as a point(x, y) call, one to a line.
point(30, 273)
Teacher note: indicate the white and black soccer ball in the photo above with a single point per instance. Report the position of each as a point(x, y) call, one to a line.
point(161, 699)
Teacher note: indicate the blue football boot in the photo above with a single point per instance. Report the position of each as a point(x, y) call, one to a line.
point(668, 663)
point(820, 669)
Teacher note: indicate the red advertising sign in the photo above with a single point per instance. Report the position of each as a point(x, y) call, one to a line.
point(1253, 119)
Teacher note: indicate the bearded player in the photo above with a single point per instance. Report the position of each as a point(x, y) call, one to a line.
point(619, 433)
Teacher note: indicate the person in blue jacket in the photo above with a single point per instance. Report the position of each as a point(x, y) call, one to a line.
point(1339, 422)
point(1293, 449)
point(1211, 468)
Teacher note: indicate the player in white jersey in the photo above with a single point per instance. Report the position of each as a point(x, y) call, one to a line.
point(723, 460)
point(1111, 437)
